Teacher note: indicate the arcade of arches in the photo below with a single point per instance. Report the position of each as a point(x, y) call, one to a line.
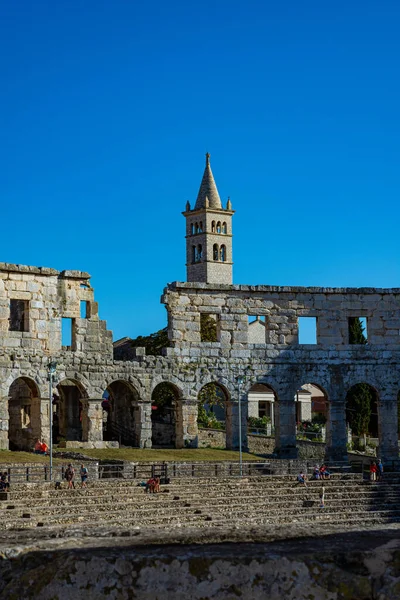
point(170, 419)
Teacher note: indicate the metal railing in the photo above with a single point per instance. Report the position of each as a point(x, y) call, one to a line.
point(141, 472)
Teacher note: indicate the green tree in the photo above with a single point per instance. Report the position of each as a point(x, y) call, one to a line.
point(356, 331)
point(359, 401)
point(164, 398)
point(210, 395)
point(208, 328)
point(153, 342)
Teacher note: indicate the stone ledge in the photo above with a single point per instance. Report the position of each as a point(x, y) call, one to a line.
point(177, 285)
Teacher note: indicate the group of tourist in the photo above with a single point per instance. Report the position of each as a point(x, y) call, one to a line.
point(318, 473)
point(321, 472)
point(376, 471)
point(69, 475)
point(40, 447)
point(152, 485)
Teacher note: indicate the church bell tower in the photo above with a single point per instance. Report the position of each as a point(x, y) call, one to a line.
point(209, 234)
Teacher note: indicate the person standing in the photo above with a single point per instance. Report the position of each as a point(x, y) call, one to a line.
point(69, 476)
point(84, 475)
point(379, 471)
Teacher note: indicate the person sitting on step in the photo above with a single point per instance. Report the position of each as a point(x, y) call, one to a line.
point(301, 478)
point(324, 473)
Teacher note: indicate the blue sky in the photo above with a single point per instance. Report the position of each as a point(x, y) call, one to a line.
point(107, 110)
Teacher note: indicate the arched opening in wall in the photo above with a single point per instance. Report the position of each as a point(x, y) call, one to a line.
point(199, 253)
point(24, 425)
point(312, 412)
point(201, 227)
point(362, 413)
point(192, 229)
point(68, 410)
point(224, 228)
point(222, 253)
point(219, 227)
point(215, 252)
point(164, 404)
point(196, 228)
point(120, 413)
point(213, 413)
point(261, 401)
point(213, 226)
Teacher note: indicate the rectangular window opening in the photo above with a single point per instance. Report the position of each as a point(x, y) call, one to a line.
point(85, 309)
point(307, 330)
point(209, 330)
point(257, 330)
point(252, 318)
point(358, 333)
point(19, 315)
point(68, 333)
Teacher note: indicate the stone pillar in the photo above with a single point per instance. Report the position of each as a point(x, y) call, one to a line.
point(3, 423)
point(232, 424)
point(336, 432)
point(92, 420)
point(388, 436)
point(40, 419)
point(285, 428)
point(187, 435)
point(143, 426)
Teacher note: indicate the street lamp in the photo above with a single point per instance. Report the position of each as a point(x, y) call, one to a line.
point(51, 371)
point(240, 380)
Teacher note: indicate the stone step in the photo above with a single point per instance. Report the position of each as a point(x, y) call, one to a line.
point(86, 498)
point(254, 494)
point(204, 520)
point(204, 486)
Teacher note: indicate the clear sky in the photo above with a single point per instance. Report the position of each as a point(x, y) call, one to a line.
point(107, 110)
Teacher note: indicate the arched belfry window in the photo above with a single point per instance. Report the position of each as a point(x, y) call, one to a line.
point(196, 228)
point(213, 227)
point(219, 227)
point(224, 229)
point(192, 230)
point(222, 253)
point(215, 252)
point(199, 252)
point(194, 254)
point(201, 227)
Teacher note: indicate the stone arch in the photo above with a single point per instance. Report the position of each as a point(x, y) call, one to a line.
point(24, 412)
point(166, 414)
point(67, 410)
point(311, 399)
point(120, 413)
point(261, 402)
point(214, 410)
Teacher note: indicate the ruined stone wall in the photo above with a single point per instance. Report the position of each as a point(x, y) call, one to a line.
point(281, 307)
point(349, 566)
point(46, 296)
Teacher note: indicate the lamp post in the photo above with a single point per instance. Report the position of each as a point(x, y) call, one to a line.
point(51, 370)
point(240, 380)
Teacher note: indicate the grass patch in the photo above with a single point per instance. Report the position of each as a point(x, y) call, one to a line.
point(161, 455)
point(8, 456)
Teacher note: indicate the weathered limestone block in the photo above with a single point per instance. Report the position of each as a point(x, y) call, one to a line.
point(388, 431)
point(285, 428)
point(336, 433)
point(143, 425)
point(92, 420)
point(186, 426)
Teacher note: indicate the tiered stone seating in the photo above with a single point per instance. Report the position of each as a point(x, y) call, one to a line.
point(202, 503)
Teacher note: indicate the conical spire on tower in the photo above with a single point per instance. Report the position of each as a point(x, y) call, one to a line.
point(208, 196)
